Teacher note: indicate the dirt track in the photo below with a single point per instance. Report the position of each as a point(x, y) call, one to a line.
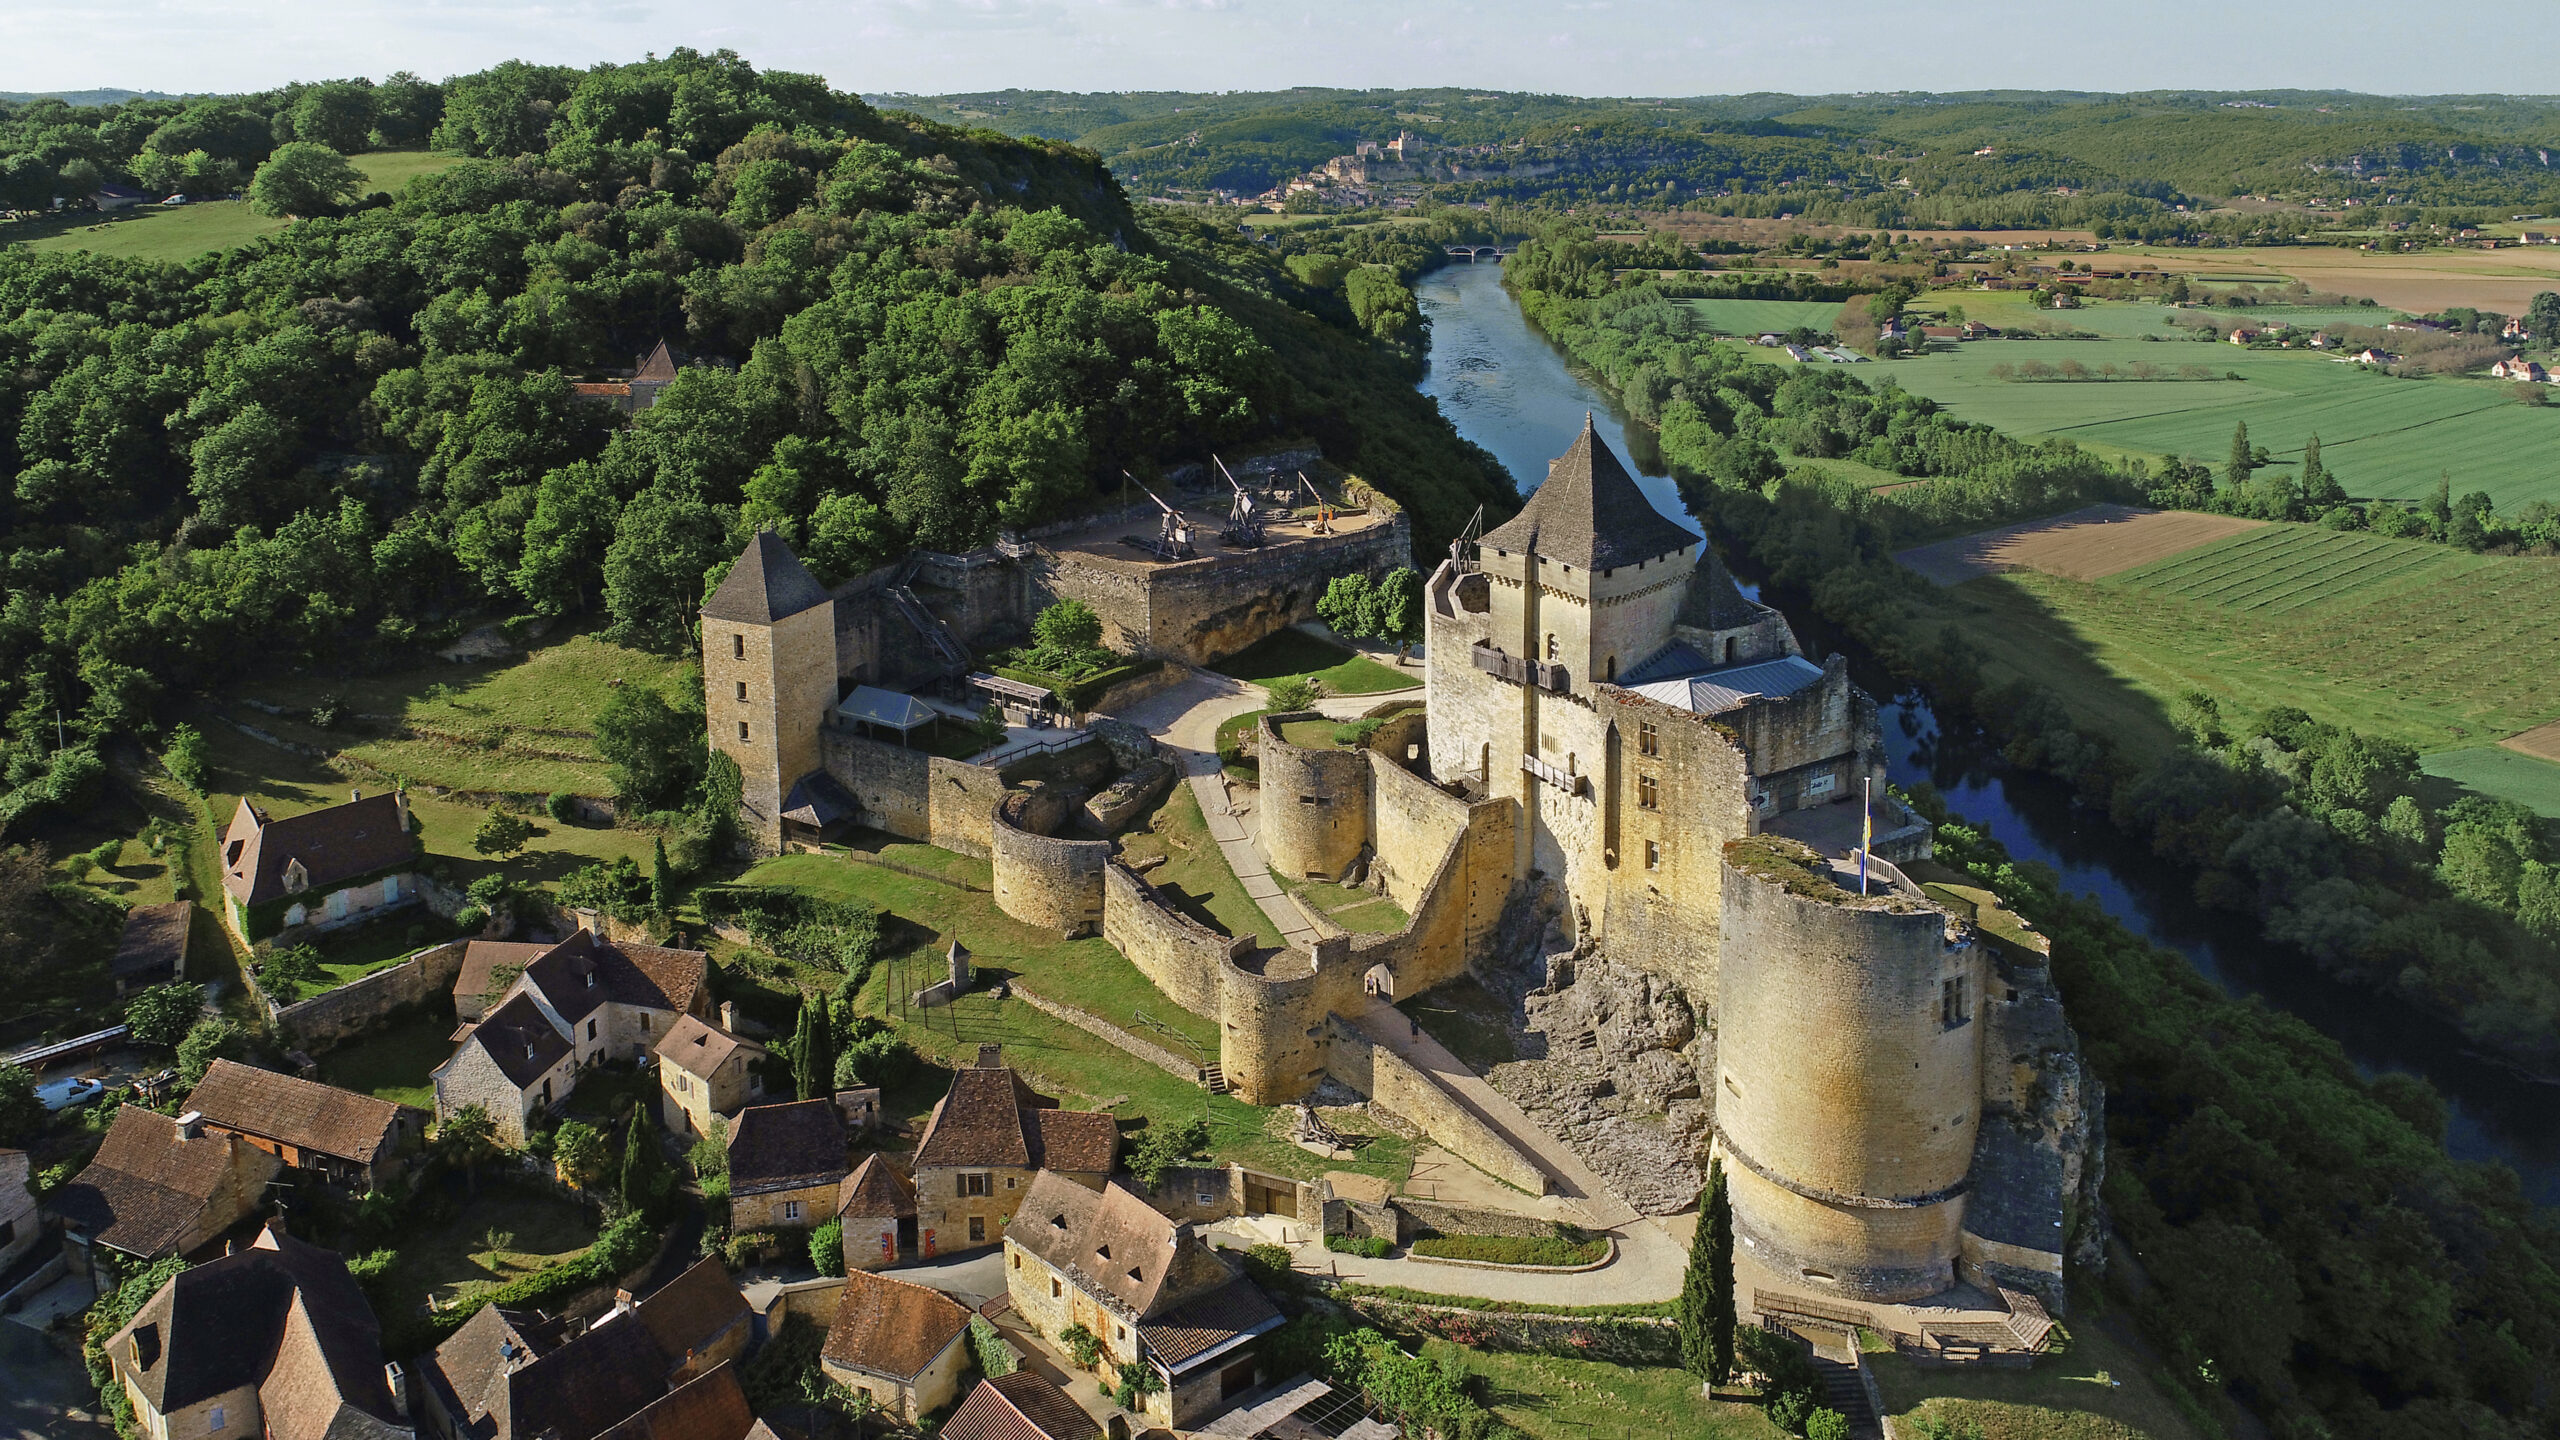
point(2085, 544)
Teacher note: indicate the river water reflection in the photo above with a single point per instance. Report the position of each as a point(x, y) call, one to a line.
point(1508, 390)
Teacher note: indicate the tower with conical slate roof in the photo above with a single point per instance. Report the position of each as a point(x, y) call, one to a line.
point(768, 676)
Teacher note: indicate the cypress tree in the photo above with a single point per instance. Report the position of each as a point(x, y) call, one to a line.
point(662, 882)
point(641, 1163)
point(813, 1061)
point(2236, 473)
point(1705, 1309)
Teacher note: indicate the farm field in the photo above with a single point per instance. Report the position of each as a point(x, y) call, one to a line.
point(2441, 649)
point(2500, 771)
point(151, 232)
point(1747, 318)
point(2085, 544)
point(2501, 280)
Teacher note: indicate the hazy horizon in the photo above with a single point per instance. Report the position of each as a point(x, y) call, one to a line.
point(1593, 48)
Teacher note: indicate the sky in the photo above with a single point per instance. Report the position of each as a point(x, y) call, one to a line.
point(1580, 47)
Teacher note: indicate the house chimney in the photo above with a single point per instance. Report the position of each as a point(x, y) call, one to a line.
point(729, 1016)
point(990, 1056)
point(354, 795)
point(397, 1381)
point(400, 802)
point(191, 1125)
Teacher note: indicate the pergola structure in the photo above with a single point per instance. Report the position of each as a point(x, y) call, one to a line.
point(887, 710)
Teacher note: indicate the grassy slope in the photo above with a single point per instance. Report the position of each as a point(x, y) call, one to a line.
point(2099, 1389)
point(149, 232)
point(1551, 1398)
point(1295, 652)
point(2417, 642)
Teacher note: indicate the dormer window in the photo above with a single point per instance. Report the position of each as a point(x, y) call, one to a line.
point(1102, 1250)
point(1134, 1275)
point(1057, 1222)
point(591, 979)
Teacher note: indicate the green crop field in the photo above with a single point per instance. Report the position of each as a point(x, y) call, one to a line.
point(1751, 317)
point(152, 232)
point(2444, 650)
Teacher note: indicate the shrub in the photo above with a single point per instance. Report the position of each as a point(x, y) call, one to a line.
point(1367, 1247)
point(1268, 1266)
point(210, 1040)
point(21, 1113)
point(560, 805)
point(1164, 1146)
point(710, 1154)
point(1357, 732)
point(826, 1248)
point(1826, 1425)
point(163, 1014)
point(188, 759)
point(995, 1353)
point(287, 974)
point(1574, 1249)
point(1083, 1346)
point(470, 919)
point(503, 833)
point(1138, 1380)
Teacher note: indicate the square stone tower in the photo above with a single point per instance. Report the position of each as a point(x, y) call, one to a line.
point(768, 677)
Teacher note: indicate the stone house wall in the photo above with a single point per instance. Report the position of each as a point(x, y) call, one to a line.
point(472, 1078)
point(931, 1388)
point(689, 1101)
point(943, 1213)
point(242, 1418)
point(767, 1209)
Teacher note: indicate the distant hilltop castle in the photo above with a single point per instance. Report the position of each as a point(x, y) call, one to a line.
point(1615, 732)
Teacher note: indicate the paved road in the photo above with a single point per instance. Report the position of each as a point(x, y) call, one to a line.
point(1186, 720)
point(44, 1394)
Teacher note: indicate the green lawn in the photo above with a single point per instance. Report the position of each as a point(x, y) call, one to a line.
point(393, 1063)
point(1750, 318)
point(1295, 652)
point(499, 1237)
point(154, 232)
point(2417, 642)
point(2493, 770)
point(2100, 1388)
point(1362, 912)
point(1195, 876)
point(1550, 1398)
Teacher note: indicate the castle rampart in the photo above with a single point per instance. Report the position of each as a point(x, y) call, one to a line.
point(1212, 606)
point(1314, 805)
point(1042, 878)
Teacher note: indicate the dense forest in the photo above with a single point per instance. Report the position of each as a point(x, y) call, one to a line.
point(334, 445)
point(2278, 1207)
point(2129, 162)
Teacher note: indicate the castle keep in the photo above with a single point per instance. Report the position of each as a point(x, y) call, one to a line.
point(1614, 736)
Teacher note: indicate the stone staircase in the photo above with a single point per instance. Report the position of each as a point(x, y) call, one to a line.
point(1213, 1078)
point(1843, 1391)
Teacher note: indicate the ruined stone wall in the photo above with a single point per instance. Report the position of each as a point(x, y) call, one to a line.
point(326, 1021)
point(1197, 611)
point(1314, 806)
point(1044, 879)
point(1458, 901)
point(1405, 734)
point(1271, 1021)
point(1393, 1082)
point(1842, 1088)
point(914, 795)
point(1178, 953)
point(1660, 908)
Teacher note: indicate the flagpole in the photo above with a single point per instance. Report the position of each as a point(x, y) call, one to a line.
point(1866, 832)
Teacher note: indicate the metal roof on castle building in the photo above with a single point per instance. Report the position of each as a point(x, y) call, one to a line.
point(1717, 691)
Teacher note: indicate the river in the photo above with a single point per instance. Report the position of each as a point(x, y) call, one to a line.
point(1508, 390)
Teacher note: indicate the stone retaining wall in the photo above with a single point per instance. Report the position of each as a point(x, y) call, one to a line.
point(1397, 1084)
point(1111, 1034)
point(325, 1021)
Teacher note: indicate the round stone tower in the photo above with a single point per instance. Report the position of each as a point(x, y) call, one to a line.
point(1314, 802)
point(1849, 1085)
point(1042, 877)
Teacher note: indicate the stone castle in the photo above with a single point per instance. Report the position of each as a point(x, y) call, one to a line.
point(1618, 750)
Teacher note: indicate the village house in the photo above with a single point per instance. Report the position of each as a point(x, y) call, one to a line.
point(705, 1073)
point(20, 1225)
point(660, 1369)
point(158, 1187)
point(324, 868)
point(1942, 334)
point(1976, 330)
point(2516, 367)
point(579, 1003)
point(985, 1141)
point(899, 1343)
point(786, 1163)
point(273, 1342)
point(489, 971)
point(876, 1213)
point(638, 389)
point(1021, 1406)
point(2374, 357)
point(348, 1139)
point(1146, 1287)
point(153, 948)
point(2243, 335)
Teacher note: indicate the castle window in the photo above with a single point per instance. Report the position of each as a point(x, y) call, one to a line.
point(1054, 1289)
point(742, 690)
point(738, 646)
point(1648, 793)
point(1609, 669)
point(973, 1185)
point(2013, 997)
point(742, 729)
point(1648, 739)
point(1653, 854)
point(1551, 644)
point(1728, 649)
point(1951, 1003)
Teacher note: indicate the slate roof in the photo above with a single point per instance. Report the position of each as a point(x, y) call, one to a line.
point(149, 1184)
point(1121, 1250)
point(1021, 1406)
point(659, 365)
point(154, 940)
point(687, 1314)
point(1590, 513)
point(578, 1388)
point(786, 1147)
point(520, 1038)
point(283, 1316)
point(988, 1119)
point(1668, 663)
point(890, 1327)
point(1204, 1324)
point(1714, 602)
point(818, 800)
point(700, 1048)
point(334, 845)
point(708, 1407)
point(1717, 691)
point(481, 959)
point(301, 1113)
point(767, 584)
point(876, 1188)
point(586, 970)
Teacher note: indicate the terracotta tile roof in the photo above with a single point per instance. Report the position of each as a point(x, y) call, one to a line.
point(301, 1113)
point(586, 970)
point(659, 364)
point(890, 1327)
point(708, 1407)
point(282, 1316)
point(482, 958)
point(579, 1388)
point(1085, 1141)
point(154, 940)
point(1121, 1250)
point(1021, 1406)
point(766, 584)
point(149, 1184)
point(700, 1048)
point(786, 1147)
point(334, 845)
point(876, 1188)
point(1590, 514)
point(1206, 1322)
point(520, 1038)
point(687, 1314)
